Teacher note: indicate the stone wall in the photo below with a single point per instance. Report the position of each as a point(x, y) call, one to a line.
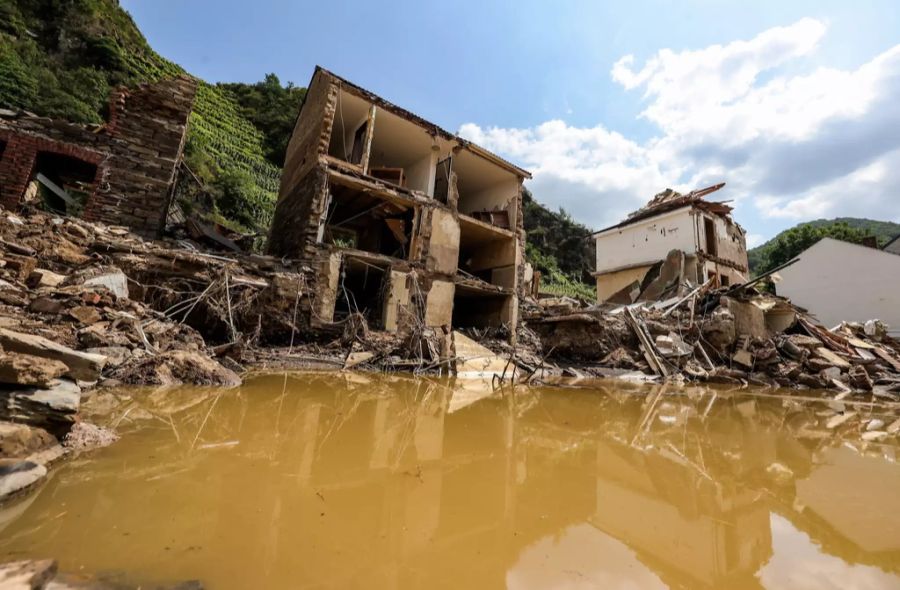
point(136, 153)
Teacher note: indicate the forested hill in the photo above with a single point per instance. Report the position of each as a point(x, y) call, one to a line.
point(795, 240)
point(61, 58)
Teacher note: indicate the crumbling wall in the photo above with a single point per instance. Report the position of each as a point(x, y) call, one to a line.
point(298, 216)
point(441, 233)
point(136, 154)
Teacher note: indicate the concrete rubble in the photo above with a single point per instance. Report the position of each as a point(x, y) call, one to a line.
point(736, 335)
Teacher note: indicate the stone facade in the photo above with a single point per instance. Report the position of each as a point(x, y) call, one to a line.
point(372, 193)
point(135, 155)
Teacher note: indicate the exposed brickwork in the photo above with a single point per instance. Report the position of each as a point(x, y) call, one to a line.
point(136, 153)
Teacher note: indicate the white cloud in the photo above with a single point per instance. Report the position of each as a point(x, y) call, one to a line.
point(792, 140)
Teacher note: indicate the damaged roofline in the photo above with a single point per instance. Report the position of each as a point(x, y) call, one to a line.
point(410, 116)
point(659, 214)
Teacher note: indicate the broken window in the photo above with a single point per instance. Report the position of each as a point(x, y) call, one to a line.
point(362, 221)
point(2, 148)
point(723, 280)
point(61, 183)
point(487, 192)
point(362, 288)
point(709, 229)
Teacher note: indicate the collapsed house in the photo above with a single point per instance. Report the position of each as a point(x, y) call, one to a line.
point(713, 244)
point(119, 173)
point(404, 222)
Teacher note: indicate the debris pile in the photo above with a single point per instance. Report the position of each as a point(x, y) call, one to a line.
point(726, 335)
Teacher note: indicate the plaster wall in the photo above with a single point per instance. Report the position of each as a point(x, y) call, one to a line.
point(838, 281)
point(646, 242)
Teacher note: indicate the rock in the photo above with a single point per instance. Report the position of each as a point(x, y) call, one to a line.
point(839, 419)
point(26, 369)
point(831, 357)
point(894, 427)
point(176, 367)
point(114, 280)
point(859, 378)
point(40, 277)
point(875, 329)
point(21, 266)
point(21, 440)
point(17, 475)
point(85, 315)
point(52, 409)
point(27, 575)
point(874, 436)
point(115, 355)
point(718, 329)
point(780, 473)
point(46, 305)
point(85, 436)
point(875, 424)
point(830, 373)
point(83, 366)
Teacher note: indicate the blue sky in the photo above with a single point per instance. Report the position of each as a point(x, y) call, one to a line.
point(544, 84)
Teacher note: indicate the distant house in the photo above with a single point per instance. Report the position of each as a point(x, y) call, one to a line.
point(893, 246)
point(839, 281)
point(714, 245)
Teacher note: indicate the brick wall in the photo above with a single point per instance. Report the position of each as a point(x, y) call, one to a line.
point(136, 153)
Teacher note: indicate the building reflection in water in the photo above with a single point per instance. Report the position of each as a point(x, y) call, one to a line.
point(351, 480)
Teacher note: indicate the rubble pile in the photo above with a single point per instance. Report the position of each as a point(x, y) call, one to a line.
point(727, 335)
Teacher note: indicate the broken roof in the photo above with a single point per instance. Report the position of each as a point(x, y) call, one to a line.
point(669, 200)
point(410, 116)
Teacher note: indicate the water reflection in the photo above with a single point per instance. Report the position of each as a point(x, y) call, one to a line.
point(338, 481)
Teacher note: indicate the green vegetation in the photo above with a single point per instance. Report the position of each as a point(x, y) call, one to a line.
point(61, 58)
point(792, 242)
point(560, 248)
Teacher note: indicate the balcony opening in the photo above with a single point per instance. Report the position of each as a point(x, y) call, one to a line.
point(487, 192)
point(61, 184)
point(362, 221)
point(362, 288)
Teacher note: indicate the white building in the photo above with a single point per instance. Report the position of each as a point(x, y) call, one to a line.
point(714, 245)
point(839, 281)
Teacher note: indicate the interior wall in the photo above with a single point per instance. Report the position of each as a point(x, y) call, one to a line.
point(420, 174)
point(501, 195)
point(351, 112)
point(487, 255)
point(399, 143)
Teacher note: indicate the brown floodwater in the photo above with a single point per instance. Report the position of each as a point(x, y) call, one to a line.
point(365, 481)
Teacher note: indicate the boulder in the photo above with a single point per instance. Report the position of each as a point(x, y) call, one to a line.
point(719, 330)
point(52, 408)
point(27, 575)
point(40, 277)
point(17, 475)
point(81, 365)
point(21, 440)
point(26, 369)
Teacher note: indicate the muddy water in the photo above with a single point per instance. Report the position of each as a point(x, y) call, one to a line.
point(351, 481)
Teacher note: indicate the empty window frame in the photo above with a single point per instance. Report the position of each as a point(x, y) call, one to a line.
point(709, 231)
point(62, 183)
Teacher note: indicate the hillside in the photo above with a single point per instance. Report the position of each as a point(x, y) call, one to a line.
point(61, 58)
point(792, 241)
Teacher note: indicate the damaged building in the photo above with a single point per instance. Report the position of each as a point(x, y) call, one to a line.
point(404, 222)
point(120, 173)
point(713, 244)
